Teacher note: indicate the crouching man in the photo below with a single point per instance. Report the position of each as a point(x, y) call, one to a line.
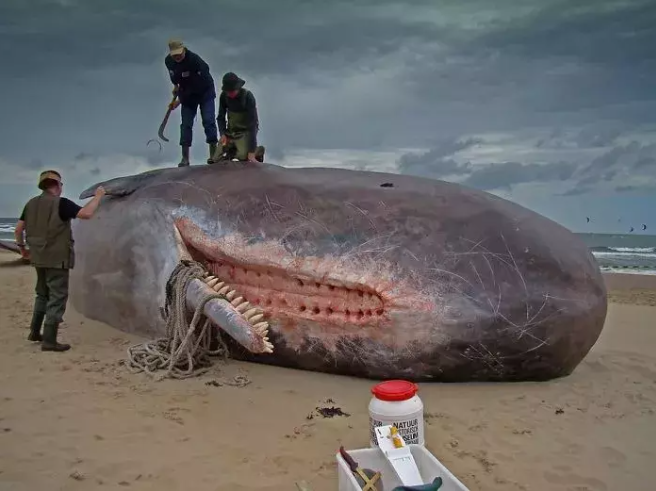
point(46, 221)
point(239, 132)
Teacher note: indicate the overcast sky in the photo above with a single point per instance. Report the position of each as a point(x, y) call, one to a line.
point(551, 104)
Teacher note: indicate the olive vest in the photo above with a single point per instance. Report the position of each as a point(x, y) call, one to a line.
point(238, 120)
point(49, 238)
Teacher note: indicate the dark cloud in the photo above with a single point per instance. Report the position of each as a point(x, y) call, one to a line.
point(626, 189)
point(505, 175)
point(434, 162)
point(597, 137)
point(438, 162)
point(631, 157)
point(577, 191)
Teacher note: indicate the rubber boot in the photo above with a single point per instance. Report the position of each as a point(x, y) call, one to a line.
point(35, 326)
point(184, 162)
point(212, 159)
point(49, 342)
point(259, 153)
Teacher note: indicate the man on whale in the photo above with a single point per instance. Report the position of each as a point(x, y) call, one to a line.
point(194, 86)
point(239, 129)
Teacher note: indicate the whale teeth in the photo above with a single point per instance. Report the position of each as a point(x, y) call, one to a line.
point(268, 347)
point(224, 290)
point(262, 328)
point(212, 282)
point(237, 301)
point(242, 307)
point(231, 294)
point(208, 278)
point(218, 286)
point(256, 318)
point(250, 313)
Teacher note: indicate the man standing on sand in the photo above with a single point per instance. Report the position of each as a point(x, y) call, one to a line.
point(46, 221)
point(242, 124)
point(194, 86)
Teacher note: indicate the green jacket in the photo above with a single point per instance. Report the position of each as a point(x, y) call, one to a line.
point(49, 239)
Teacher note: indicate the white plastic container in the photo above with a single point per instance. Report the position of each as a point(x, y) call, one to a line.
point(395, 402)
point(373, 458)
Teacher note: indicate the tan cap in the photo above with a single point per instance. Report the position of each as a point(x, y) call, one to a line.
point(176, 47)
point(47, 175)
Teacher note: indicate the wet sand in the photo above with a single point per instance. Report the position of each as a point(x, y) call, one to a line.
point(79, 420)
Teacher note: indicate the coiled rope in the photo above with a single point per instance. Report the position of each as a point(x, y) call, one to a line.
point(184, 352)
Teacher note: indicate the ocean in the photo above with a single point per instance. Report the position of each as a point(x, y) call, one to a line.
point(619, 253)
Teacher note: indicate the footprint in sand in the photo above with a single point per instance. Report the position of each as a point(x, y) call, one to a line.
point(613, 457)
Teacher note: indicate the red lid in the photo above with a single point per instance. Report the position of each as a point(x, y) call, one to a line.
point(394, 390)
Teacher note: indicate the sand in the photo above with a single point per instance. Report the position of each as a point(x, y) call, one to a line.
point(79, 420)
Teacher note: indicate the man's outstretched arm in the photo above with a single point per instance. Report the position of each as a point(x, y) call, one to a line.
point(90, 208)
point(69, 210)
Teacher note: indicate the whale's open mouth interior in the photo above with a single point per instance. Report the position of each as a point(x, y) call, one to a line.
point(279, 294)
point(288, 295)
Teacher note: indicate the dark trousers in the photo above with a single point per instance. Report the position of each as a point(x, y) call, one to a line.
point(51, 293)
point(189, 111)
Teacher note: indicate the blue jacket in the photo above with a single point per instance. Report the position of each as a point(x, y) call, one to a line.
point(193, 76)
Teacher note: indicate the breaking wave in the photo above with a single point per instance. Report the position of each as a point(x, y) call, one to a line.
point(624, 250)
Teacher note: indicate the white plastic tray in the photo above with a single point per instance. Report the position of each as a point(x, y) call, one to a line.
point(373, 458)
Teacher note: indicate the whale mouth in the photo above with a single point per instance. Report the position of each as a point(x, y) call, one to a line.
point(285, 293)
point(282, 295)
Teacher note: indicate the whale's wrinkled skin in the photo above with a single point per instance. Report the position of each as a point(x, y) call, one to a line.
point(358, 273)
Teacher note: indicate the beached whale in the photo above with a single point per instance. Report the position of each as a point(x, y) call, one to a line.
point(360, 273)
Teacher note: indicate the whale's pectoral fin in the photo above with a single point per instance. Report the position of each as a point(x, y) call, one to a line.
point(241, 321)
point(122, 186)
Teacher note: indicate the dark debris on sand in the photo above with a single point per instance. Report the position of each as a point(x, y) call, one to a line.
point(328, 412)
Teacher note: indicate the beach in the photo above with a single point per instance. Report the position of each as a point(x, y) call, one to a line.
point(79, 420)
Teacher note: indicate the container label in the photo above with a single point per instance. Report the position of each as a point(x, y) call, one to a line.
point(408, 429)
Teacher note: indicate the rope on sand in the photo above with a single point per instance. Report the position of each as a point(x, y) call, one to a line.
point(185, 351)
